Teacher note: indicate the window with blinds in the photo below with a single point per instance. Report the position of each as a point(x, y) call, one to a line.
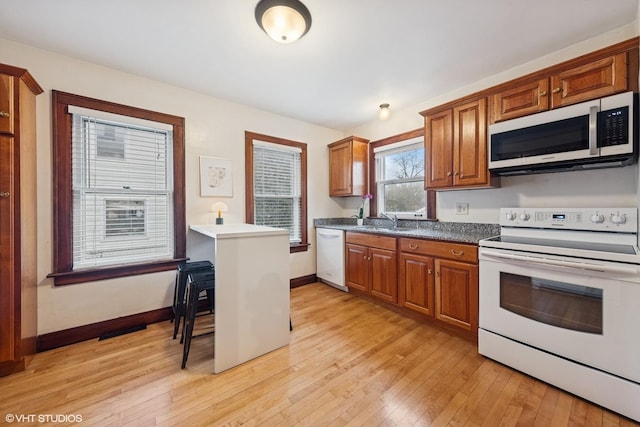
point(122, 189)
point(277, 187)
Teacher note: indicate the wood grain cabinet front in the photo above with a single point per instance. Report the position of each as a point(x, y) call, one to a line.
point(440, 280)
point(456, 146)
point(562, 87)
point(371, 265)
point(348, 167)
point(18, 201)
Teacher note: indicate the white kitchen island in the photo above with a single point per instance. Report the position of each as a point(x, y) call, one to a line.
point(252, 288)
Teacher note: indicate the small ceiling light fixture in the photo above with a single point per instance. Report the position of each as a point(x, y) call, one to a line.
point(384, 113)
point(285, 21)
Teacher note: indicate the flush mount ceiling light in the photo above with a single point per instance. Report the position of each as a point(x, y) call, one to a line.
point(285, 21)
point(384, 112)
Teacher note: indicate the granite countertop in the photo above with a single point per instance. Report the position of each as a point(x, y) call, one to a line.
point(463, 232)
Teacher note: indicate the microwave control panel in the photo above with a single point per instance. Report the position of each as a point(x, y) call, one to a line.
point(613, 127)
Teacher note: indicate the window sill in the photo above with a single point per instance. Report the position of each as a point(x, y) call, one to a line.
point(84, 276)
point(298, 247)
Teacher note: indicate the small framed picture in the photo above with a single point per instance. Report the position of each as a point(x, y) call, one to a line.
point(216, 177)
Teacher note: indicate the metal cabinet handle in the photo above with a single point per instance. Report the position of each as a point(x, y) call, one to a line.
point(430, 271)
point(543, 93)
point(449, 173)
point(4, 114)
point(4, 194)
point(369, 259)
point(457, 254)
point(437, 274)
point(557, 90)
point(413, 246)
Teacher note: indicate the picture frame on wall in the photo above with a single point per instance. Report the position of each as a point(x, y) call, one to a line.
point(216, 177)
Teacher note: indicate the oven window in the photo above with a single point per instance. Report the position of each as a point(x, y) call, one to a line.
point(565, 305)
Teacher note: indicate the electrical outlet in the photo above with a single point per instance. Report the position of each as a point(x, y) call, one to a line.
point(462, 208)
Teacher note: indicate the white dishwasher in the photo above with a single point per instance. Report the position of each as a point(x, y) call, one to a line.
point(330, 257)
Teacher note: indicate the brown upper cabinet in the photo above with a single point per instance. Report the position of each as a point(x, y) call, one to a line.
point(348, 167)
point(561, 87)
point(456, 146)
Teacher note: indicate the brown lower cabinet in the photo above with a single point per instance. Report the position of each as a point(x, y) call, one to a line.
point(440, 280)
point(435, 281)
point(371, 265)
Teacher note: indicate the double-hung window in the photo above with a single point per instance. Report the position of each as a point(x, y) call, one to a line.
point(400, 179)
point(120, 196)
point(276, 185)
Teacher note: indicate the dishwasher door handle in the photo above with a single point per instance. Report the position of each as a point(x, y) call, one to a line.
point(328, 235)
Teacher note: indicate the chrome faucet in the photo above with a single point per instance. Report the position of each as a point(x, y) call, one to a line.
point(393, 218)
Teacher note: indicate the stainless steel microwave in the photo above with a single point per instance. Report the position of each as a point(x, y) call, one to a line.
point(594, 134)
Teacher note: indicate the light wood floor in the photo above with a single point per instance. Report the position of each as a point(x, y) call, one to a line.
point(349, 363)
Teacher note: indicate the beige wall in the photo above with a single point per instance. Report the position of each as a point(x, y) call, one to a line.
point(213, 128)
point(606, 187)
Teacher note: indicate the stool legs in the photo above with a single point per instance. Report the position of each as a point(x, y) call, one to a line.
point(200, 282)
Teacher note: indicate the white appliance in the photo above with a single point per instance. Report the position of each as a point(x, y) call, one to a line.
point(330, 257)
point(592, 134)
point(559, 295)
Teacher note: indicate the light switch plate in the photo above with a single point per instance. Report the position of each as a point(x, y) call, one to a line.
point(462, 208)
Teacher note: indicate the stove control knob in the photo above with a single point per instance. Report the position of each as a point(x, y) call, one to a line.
point(510, 216)
point(524, 216)
point(618, 219)
point(597, 218)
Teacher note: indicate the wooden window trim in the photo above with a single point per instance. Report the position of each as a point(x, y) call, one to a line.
point(431, 194)
point(63, 273)
point(249, 137)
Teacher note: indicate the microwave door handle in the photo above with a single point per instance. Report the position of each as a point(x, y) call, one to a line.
point(593, 131)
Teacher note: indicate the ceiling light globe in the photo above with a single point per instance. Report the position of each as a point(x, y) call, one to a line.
point(384, 112)
point(285, 21)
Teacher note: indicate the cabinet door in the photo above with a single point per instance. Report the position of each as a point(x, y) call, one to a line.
point(6, 104)
point(384, 279)
point(470, 144)
point(7, 280)
point(438, 150)
point(457, 294)
point(340, 169)
point(357, 267)
point(594, 80)
point(416, 283)
point(525, 99)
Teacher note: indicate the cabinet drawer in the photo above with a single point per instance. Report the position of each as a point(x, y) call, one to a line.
point(371, 240)
point(448, 250)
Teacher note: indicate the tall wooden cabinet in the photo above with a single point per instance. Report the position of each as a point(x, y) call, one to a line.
point(348, 167)
point(18, 262)
point(456, 146)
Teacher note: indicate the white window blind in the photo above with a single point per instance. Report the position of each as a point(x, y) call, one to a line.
point(277, 187)
point(122, 190)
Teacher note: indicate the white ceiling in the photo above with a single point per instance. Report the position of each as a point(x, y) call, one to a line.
point(357, 55)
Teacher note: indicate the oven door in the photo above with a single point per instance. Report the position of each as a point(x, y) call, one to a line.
point(583, 310)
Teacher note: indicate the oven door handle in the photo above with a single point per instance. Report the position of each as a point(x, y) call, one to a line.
point(561, 263)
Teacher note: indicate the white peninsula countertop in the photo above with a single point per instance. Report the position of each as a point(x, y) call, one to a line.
point(252, 288)
point(226, 231)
